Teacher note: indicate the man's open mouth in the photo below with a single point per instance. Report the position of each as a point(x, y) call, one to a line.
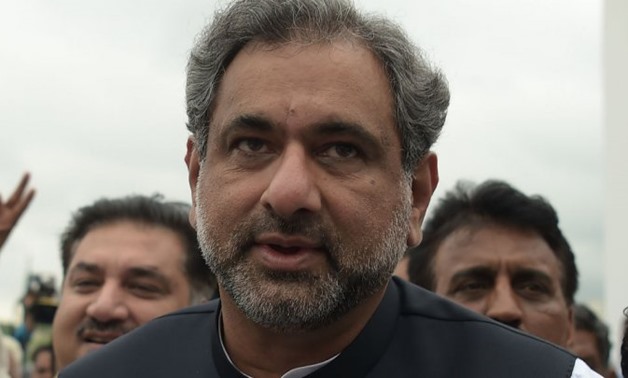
point(282, 249)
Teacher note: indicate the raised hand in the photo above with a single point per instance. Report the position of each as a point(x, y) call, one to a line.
point(12, 209)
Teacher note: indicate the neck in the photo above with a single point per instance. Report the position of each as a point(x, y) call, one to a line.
point(263, 352)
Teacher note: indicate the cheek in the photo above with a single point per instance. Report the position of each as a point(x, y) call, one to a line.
point(550, 318)
point(211, 205)
point(363, 207)
point(363, 219)
point(353, 219)
point(66, 321)
point(224, 198)
point(554, 309)
point(70, 311)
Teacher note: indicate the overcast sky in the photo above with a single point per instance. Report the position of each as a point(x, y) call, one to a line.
point(92, 103)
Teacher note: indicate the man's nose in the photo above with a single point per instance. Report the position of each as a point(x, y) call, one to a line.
point(108, 304)
point(293, 187)
point(504, 305)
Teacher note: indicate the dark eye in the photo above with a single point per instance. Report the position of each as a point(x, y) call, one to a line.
point(144, 290)
point(533, 288)
point(251, 145)
point(471, 289)
point(341, 151)
point(85, 285)
point(472, 286)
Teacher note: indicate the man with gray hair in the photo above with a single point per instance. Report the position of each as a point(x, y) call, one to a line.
point(310, 170)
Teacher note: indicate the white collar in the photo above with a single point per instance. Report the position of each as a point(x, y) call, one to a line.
point(298, 372)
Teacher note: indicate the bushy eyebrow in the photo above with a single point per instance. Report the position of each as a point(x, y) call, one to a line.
point(352, 130)
point(527, 274)
point(487, 273)
point(86, 267)
point(475, 272)
point(250, 121)
point(244, 123)
point(149, 273)
point(253, 122)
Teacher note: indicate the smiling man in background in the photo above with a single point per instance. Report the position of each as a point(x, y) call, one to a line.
point(125, 261)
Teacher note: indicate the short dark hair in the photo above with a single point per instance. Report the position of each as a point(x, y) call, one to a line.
point(152, 211)
point(491, 202)
point(420, 91)
point(586, 320)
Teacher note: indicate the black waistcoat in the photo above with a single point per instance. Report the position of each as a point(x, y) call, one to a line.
point(413, 333)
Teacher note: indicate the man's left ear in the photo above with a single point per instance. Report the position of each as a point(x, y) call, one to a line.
point(424, 183)
point(192, 161)
point(571, 330)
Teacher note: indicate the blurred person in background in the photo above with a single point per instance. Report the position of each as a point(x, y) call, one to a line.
point(125, 261)
point(624, 346)
point(22, 332)
point(42, 311)
point(11, 210)
point(43, 362)
point(10, 357)
point(499, 252)
point(591, 340)
point(4, 360)
point(39, 304)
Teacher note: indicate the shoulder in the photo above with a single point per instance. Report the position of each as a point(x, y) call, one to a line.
point(420, 305)
point(417, 303)
point(184, 320)
point(201, 309)
point(444, 330)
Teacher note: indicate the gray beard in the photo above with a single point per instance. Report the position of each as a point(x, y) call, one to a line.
point(301, 301)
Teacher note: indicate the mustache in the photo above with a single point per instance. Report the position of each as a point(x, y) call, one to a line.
point(307, 226)
point(304, 225)
point(93, 325)
point(299, 224)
